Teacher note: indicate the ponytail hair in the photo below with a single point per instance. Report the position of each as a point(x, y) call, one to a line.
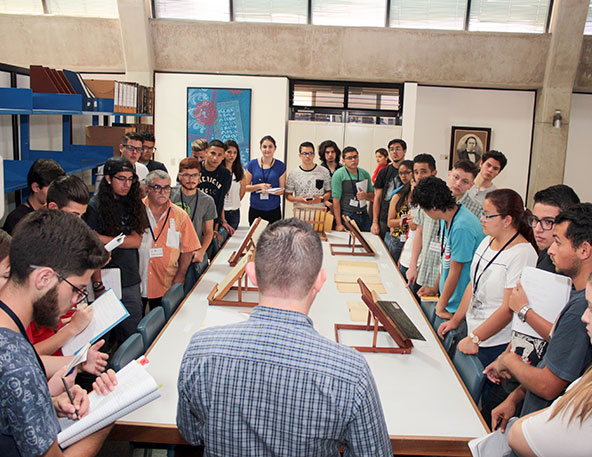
point(508, 202)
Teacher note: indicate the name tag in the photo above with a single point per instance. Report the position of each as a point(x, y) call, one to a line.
point(155, 252)
point(435, 246)
point(403, 238)
point(264, 196)
point(355, 203)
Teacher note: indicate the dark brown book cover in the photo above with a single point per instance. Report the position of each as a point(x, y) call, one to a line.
point(66, 83)
point(40, 80)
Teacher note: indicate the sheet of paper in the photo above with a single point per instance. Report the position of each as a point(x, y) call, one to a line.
point(272, 190)
point(117, 241)
point(494, 444)
point(353, 278)
point(547, 293)
point(347, 288)
point(362, 186)
point(353, 267)
point(108, 311)
point(358, 311)
point(79, 358)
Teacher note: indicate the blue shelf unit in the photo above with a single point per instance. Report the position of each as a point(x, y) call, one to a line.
point(73, 158)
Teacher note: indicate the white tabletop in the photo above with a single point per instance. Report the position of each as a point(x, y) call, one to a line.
point(420, 392)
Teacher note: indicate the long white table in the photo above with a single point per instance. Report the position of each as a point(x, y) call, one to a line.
point(427, 408)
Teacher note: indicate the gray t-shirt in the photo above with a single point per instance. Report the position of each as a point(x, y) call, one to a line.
point(200, 211)
point(308, 183)
point(479, 195)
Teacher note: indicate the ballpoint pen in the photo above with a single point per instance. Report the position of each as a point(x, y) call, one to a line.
point(70, 397)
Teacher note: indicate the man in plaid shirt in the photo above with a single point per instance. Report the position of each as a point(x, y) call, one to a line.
point(271, 385)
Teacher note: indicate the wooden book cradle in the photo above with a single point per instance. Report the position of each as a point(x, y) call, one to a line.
point(401, 329)
point(249, 241)
point(236, 276)
point(314, 215)
point(355, 235)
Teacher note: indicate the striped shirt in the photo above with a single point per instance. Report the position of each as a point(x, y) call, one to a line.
point(272, 386)
point(429, 259)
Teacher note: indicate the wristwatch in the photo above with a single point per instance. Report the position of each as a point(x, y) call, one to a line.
point(97, 285)
point(475, 339)
point(522, 313)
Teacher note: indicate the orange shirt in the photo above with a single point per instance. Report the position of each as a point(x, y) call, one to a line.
point(161, 248)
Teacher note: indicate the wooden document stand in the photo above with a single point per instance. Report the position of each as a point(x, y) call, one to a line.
point(315, 216)
point(249, 242)
point(236, 276)
point(363, 249)
point(382, 314)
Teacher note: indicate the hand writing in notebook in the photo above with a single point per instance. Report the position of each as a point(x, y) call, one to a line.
point(79, 404)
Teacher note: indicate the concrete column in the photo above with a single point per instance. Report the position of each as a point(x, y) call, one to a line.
point(550, 143)
point(136, 37)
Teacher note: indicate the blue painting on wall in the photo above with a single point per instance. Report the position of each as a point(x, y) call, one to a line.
point(221, 114)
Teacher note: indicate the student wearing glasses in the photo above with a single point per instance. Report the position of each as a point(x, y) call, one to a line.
point(168, 244)
point(117, 208)
point(348, 199)
point(147, 155)
point(131, 149)
point(309, 184)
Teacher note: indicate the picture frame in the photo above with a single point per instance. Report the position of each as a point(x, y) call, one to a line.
point(468, 143)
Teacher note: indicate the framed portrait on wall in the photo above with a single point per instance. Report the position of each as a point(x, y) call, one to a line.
point(468, 143)
point(222, 114)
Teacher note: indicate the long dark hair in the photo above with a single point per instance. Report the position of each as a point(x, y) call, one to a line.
point(326, 144)
point(403, 194)
point(110, 215)
point(237, 168)
point(507, 202)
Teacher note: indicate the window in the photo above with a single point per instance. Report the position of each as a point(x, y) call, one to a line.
point(509, 15)
point(21, 6)
point(204, 10)
point(588, 29)
point(361, 13)
point(428, 14)
point(84, 8)
point(283, 11)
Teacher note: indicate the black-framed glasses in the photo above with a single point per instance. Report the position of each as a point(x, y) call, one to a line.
point(123, 179)
point(351, 157)
point(81, 294)
point(131, 148)
point(488, 216)
point(149, 148)
point(159, 189)
point(189, 175)
point(307, 153)
point(547, 223)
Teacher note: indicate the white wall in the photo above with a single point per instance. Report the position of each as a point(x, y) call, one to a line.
point(509, 114)
point(269, 114)
point(578, 161)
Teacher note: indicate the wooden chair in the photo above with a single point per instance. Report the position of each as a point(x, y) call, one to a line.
point(314, 215)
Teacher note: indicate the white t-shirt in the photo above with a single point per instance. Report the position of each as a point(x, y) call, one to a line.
point(232, 198)
point(500, 275)
point(405, 257)
point(557, 438)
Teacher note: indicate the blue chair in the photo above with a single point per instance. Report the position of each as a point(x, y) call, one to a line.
point(151, 325)
point(171, 299)
point(429, 309)
point(449, 338)
point(130, 349)
point(470, 369)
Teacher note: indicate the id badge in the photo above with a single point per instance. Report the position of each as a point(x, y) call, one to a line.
point(355, 203)
point(264, 196)
point(435, 246)
point(403, 238)
point(155, 252)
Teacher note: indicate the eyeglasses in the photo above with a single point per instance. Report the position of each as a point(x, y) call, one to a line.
point(189, 175)
point(159, 189)
point(81, 294)
point(487, 217)
point(131, 148)
point(351, 157)
point(307, 153)
point(404, 173)
point(123, 179)
point(149, 148)
point(547, 223)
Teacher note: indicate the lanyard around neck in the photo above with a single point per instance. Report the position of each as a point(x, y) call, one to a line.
point(442, 247)
point(162, 228)
point(477, 279)
point(192, 215)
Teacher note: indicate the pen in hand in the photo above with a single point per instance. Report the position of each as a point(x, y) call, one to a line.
point(70, 397)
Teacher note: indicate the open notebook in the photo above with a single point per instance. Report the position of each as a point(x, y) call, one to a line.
point(135, 387)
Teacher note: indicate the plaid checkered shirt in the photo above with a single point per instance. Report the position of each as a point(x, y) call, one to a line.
point(429, 258)
point(272, 386)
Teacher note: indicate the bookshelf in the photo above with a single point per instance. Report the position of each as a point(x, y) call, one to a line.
point(73, 158)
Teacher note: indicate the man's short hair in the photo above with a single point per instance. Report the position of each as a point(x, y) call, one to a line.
point(425, 158)
point(559, 196)
point(497, 155)
point(43, 172)
point(580, 223)
point(67, 189)
point(54, 239)
point(216, 144)
point(467, 166)
point(131, 136)
point(348, 149)
point(5, 240)
point(306, 144)
point(432, 193)
point(189, 163)
point(148, 136)
point(200, 144)
point(288, 258)
point(150, 177)
point(399, 141)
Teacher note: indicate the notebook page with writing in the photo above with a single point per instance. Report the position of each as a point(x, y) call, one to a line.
point(135, 387)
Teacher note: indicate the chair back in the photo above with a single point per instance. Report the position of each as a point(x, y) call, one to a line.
point(470, 369)
point(429, 309)
point(172, 298)
point(130, 349)
point(150, 325)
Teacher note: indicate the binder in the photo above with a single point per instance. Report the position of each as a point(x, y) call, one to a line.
point(40, 80)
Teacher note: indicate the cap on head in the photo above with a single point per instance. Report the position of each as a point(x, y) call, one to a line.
point(116, 164)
